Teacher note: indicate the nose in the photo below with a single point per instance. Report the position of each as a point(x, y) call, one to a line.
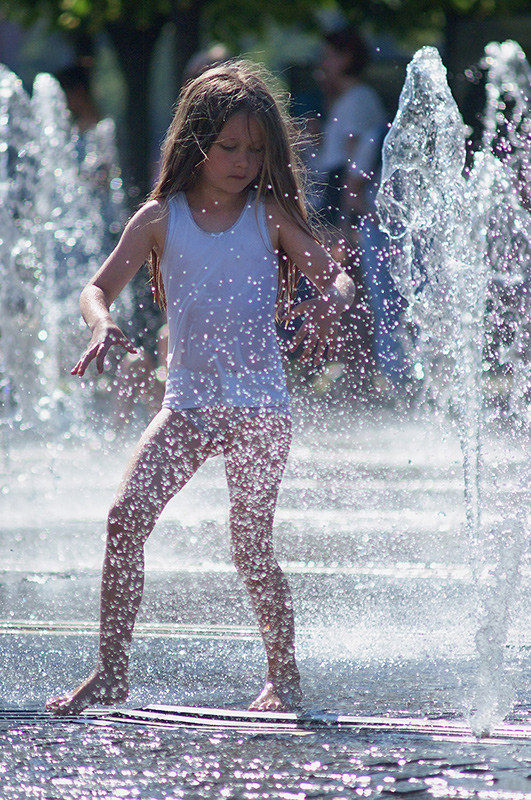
point(242, 158)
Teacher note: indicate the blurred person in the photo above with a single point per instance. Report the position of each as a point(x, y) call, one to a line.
point(95, 140)
point(76, 84)
point(352, 109)
point(212, 56)
point(86, 204)
point(140, 377)
point(349, 161)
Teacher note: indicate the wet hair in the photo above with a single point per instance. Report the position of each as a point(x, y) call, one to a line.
point(348, 40)
point(205, 105)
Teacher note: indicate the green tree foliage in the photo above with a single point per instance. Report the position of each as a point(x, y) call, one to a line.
point(233, 17)
point(403, 16)
point(134, 26)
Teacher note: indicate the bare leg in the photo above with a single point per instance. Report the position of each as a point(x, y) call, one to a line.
point(255, 458)
point(166, 457)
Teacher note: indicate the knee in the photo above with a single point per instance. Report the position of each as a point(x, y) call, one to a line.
point(254, 563)
point(252, 541)
point(124, 529)
point(118, 518)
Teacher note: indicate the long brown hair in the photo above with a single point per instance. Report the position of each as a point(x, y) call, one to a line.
point(205, 105)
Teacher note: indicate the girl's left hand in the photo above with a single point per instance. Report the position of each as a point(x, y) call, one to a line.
point(320, 329)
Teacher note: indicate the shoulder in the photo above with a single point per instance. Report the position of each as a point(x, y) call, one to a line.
point(272, 210)
point(151, 221)
point(277, 221)
point(367, 96)
point(151, 212)
point(284, 227)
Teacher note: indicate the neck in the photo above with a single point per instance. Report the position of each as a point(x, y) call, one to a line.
point(212, 200)
point(213, 211)
point(342, 84)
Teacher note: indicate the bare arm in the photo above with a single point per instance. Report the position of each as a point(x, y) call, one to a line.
point(144, 232)
point(321, 315)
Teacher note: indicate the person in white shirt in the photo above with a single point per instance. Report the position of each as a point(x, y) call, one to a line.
point(348, 160)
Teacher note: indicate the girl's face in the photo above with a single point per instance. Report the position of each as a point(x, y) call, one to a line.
point(235, 158)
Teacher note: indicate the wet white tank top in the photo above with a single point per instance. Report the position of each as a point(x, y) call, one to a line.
point(220, 291)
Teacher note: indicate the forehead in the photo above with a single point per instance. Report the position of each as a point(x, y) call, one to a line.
point(242, 126)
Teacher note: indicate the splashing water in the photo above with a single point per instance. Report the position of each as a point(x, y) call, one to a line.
point(435, 219)
point(494, 693)
point(503, 174)
point(54, 237)
point(459, 248)
point(66, 233)
point(20, 270)
point(507, 128)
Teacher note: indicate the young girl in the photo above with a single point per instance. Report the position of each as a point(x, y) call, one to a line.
point(224, 229)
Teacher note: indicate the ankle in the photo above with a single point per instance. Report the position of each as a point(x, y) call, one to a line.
point(286, 675)
point(112, 670)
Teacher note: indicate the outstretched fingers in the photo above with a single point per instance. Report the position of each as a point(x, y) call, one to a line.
point(98, 350)
point(318, 332)
point(84, 361)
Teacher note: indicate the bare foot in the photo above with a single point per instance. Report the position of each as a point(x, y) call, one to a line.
point(272, 698)
point(99, 688)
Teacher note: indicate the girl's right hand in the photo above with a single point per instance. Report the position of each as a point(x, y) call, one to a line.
point(104, 336)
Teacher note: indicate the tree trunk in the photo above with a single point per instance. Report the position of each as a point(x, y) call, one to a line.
point(134, 48)
point(187, 23)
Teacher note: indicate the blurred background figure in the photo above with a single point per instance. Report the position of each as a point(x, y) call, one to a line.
point(138, 376)
point(352, 110)
point(348, 160)
point(95, 141)
point(75, 83)
point(204, 59)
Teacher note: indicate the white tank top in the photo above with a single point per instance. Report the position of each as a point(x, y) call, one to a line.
point(220, 291)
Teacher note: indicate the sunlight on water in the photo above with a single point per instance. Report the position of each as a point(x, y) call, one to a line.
point(454, 257)
point(57, 216)
point(411, 596)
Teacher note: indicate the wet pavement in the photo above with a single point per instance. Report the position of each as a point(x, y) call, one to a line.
point(370, 530)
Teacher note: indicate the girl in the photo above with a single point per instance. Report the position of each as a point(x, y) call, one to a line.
point(224, 228)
